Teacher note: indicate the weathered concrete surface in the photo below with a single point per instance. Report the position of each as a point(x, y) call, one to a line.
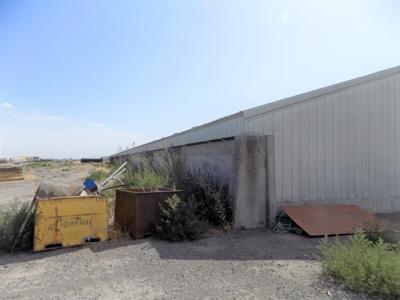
point(213, 158)
point(239, 265)
point(250, 188)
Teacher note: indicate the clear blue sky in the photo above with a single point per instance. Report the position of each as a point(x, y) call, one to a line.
point(79, 78)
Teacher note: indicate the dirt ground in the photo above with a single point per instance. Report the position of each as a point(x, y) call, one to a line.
point(16, 191)
point(58, 178)
point(63, 178)
point(256, 264)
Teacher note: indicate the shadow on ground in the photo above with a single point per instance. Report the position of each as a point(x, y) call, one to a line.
point(237, 245)
point(241, 245)
point(26, 256)
point(260, 244)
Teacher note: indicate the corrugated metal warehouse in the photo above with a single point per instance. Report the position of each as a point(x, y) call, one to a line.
point(338, 144)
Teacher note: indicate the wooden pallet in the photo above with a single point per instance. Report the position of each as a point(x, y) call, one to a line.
point(11, 174)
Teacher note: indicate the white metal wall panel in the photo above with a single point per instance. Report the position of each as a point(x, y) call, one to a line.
point(342, 146)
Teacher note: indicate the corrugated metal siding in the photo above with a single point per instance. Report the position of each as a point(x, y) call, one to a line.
point(343, 146)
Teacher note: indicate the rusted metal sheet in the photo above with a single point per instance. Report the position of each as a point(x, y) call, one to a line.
point(319, 220)
point(137, 211)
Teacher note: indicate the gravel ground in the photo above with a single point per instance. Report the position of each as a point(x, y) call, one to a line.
point(256, 264)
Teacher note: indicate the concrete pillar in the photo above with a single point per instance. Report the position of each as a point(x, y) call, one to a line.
point(271, 190)
point(250, 183)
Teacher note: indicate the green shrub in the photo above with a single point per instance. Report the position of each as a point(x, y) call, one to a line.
point(12, 216)
point(100, 175)
point(376, 230)
point(168, 169)
point(213, 200)
point(362, 265)
point(102, 171)
point(179, 221)
point(144, 176)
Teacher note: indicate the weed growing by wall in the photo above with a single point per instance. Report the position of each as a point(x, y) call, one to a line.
point(144, 175)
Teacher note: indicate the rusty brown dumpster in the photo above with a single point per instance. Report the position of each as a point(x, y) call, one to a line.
point(137, 211)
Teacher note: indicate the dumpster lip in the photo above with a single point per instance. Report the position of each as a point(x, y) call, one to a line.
point(134, 191)
point(68, 197)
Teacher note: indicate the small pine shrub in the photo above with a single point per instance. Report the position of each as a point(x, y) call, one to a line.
point(362, 265)
point(214, 201)
point(12, 216)
point(179, 221)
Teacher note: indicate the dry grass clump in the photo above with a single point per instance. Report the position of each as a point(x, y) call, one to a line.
point(12, 216)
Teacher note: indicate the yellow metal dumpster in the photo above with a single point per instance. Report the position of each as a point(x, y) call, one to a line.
point(69, 221)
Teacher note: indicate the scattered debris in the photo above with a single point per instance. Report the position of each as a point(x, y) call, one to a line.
point(320, 220)
point(284, 224)
point(113, 177)
point(90, 187)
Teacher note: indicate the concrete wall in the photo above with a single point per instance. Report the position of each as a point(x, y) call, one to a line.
point(215, 158)
point(243, 164)
point(240, 162)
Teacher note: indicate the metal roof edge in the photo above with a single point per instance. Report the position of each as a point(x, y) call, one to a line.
point(307, 96)
point(226, 118)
